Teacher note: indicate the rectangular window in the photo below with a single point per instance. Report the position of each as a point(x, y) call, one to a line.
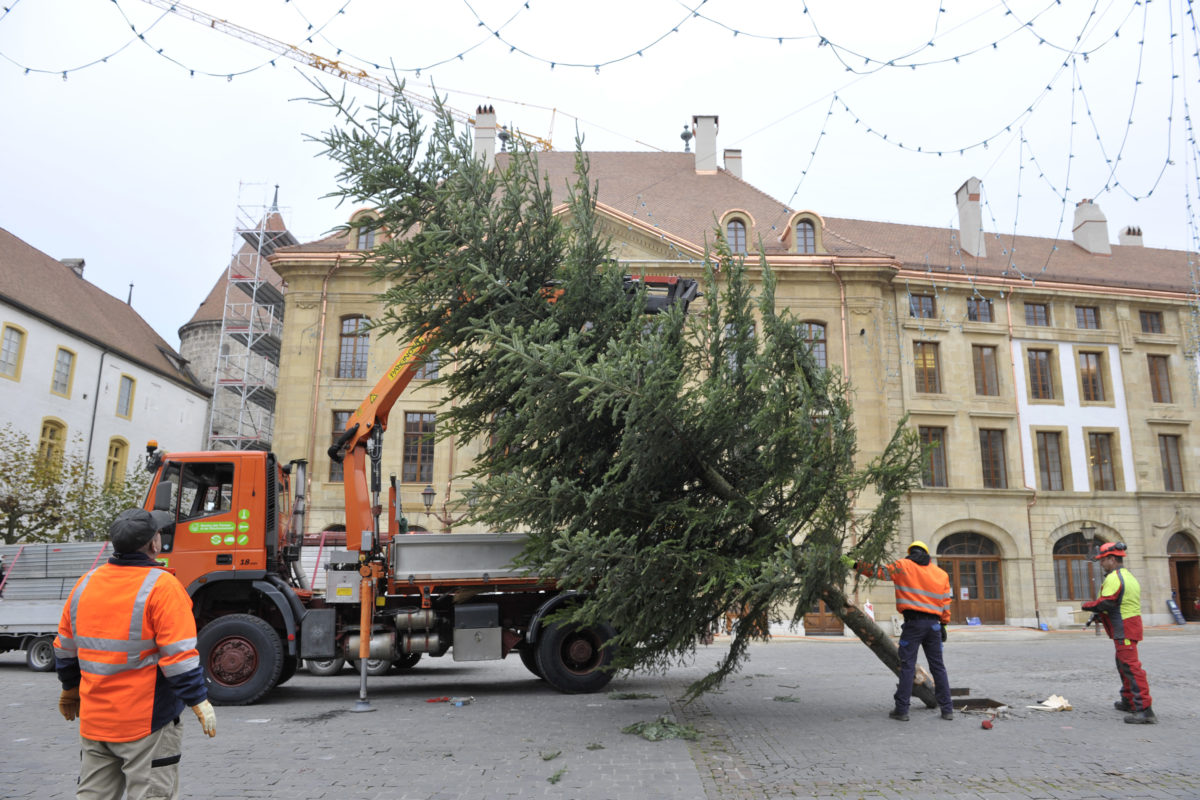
point(1172, 469)
point(925, 356)
point(986, 382)
point(1041, 381)
point(51, 443)
point(1160, 379)
point(418, 447)
point(115, 462)
point(337, 468)
point(933, 441)
point(1050, 477)
point(429, 367)
point(1037, 314)
point(1152, 321)
point(979, 309)
point(991, 453)
point(64, 369)
point(1100, 453)
point(125, 397)
point(1091, 377)
point(353, 346)
point(1087, 317)
point(921, 306)
point(12, 347)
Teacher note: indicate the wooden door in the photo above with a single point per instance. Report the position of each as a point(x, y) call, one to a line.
point(972, 561)
point(1185, 581)
point(820, 622)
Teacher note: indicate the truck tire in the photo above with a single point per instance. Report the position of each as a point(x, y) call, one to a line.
point(39, 656)
point(528, 654)
point(573, 659)
point(290, 665)
point(406, 661)
point(324, 666)
point(375, 666)
point(242, 658)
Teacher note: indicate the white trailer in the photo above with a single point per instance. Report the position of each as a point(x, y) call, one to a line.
point(36, 582)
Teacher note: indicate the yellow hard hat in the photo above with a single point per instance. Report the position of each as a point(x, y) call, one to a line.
point(921, 545)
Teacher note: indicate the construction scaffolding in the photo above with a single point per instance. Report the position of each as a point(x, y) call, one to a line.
point(247, 366)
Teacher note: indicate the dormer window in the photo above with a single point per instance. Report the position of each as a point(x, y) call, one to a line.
point(366, 238)
point(735, 235)
point(806, 237)
point(363, 227)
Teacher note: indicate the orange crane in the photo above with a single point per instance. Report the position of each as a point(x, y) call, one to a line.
point(327, 65)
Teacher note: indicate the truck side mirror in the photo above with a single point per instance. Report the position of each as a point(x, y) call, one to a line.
point(163, 493)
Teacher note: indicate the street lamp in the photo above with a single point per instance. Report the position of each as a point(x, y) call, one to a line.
point(447, 519)
point(1088, 531)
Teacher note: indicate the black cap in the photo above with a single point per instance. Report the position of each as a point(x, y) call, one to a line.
point(134, 527)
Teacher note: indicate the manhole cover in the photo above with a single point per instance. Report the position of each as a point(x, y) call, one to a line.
point(976, 704)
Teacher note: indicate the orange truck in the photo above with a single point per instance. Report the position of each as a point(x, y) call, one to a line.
point(390, 596)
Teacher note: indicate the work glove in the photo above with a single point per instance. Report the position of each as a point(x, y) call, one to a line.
point(945, 633)
point(208, 717)
point(68, 704)
point(848, 562)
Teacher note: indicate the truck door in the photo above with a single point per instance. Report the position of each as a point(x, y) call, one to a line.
point(204, 501)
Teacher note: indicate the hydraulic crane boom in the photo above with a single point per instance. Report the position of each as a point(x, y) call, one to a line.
point(329, 66)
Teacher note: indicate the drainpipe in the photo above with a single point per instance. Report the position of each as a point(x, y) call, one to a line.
point(316, 394)
point(845, 334)
point(1037, 607)
point(92, 428)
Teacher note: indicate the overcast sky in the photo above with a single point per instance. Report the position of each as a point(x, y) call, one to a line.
point(138, 163)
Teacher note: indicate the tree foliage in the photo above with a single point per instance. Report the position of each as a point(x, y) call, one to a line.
point(674, 467)
point(57, 500)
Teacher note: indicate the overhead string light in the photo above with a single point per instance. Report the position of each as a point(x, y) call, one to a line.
point(64, 72)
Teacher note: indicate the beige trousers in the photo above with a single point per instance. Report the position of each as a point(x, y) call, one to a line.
point(144, 769)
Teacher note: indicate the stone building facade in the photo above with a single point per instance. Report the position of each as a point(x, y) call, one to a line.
point(1057, 390)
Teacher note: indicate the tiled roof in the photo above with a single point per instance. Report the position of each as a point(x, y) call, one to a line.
point(664, 190)
point(41, 285)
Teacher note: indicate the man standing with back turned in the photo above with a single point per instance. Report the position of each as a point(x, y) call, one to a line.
point(1119, 607)
point(126, 657)
point(923, 597)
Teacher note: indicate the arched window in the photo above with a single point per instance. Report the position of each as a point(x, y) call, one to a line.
point(51, 443)
point(366, 236)
point(806, 237)
point(735, 234)
point(1074, 575)
point(814, 334)
point(352, 348)
point(1181, 545)
point(116, 461)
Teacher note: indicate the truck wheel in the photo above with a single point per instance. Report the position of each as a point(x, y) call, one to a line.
point(528, 654)
point(290, 665)
point(375, 666)
point(324, 666)
point(573, 659)
point(242, 658)
point(406, 661)
point(39, 656)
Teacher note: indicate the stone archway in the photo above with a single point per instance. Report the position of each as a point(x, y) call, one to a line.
point(972, 560)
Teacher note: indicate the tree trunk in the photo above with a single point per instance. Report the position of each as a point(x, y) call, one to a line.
point(874, 637)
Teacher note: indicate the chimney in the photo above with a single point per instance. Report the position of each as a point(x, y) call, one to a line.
point(1131, 236)
point(1091, 228)
point(733, 162)
point(76, 265)
point(970, 219)
point(706, 143)
point(485, 135)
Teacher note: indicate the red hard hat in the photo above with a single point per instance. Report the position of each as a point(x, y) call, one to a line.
point(1111, 549)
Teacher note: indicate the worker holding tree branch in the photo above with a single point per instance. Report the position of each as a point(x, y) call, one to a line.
point(127, 660)
point(923, 596)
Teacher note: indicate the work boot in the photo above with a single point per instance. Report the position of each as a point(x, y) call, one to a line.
point(947, 715)
point(1123, 705)
point(899, 715)
point(1143, 717)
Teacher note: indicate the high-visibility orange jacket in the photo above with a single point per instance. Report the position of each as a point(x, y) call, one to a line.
point(127, 639)
point(918, 588)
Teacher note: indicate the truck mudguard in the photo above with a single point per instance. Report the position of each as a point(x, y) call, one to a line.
point(551, 605)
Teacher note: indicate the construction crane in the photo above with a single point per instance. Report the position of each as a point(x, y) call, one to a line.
point(329, 66)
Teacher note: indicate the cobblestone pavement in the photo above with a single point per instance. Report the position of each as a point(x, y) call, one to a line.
point(805, 718)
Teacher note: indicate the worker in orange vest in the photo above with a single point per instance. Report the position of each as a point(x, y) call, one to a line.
point(126, 657)
point(923, 596)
